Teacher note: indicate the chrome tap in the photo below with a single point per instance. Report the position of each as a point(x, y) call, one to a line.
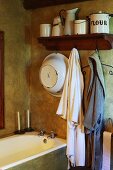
point(42, 132)
point(52, 135)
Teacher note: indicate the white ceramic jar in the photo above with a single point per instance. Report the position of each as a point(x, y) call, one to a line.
point(80, 27)
point(45, 30)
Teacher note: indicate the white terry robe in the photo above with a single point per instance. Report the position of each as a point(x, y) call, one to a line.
point(70, 108)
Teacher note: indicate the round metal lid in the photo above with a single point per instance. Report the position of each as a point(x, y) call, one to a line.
point(100, 12)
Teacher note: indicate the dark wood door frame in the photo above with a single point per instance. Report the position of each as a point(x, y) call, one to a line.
point(1, 79)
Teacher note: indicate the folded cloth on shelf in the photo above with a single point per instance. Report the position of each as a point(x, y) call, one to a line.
point(106, 150)
point(70, 108)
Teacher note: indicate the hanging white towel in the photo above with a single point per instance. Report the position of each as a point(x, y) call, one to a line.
point(106, 150)
point(70, 108)
point(80, 150)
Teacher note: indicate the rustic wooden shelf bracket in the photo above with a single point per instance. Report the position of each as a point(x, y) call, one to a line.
point(109, 39)
point(81, 42)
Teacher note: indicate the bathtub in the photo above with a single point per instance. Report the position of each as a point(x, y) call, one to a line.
point(18, 149)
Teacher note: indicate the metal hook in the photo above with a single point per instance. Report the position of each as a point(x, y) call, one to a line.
point(97, 49)
point(61, 14)
point(111, 72)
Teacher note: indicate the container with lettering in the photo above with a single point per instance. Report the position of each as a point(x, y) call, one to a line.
point(99, 22)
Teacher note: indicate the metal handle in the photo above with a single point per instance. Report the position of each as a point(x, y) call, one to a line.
point(111, 15)
point(52, 135)
point(42, 132)
point(61, 14)
point(111, 72)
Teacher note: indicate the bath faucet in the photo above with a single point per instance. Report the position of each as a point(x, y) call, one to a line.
point(52, 135)
point(42, 132)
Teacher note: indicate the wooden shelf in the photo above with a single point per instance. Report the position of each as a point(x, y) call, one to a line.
point(81, 42)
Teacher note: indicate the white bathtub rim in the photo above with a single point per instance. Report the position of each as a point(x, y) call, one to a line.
point(18, 162)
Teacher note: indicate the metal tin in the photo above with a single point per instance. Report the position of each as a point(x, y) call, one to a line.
point(80, 27)
point(99, 22)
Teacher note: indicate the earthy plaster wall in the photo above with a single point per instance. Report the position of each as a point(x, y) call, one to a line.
point(15, 22)
point(43, 105)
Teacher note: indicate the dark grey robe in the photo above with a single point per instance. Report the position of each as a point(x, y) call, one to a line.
point(93, 121)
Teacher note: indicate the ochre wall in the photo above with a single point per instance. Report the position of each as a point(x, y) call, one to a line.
point(43, 105)
point(15, 22)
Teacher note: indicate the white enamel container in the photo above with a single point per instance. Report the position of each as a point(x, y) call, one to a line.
point(99, 22)
point(53, 73)
point(80, 27)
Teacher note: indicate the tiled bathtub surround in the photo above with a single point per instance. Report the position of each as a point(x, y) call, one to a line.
point(26, 151)
point(22, 92)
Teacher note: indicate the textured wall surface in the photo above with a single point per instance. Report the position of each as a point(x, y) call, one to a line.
point(43, 105)
point(15, 22)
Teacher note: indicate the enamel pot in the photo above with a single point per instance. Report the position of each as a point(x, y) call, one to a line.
point(99, 22)
point(53, 73)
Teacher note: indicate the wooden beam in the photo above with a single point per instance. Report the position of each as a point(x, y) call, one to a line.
point(33, 4)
